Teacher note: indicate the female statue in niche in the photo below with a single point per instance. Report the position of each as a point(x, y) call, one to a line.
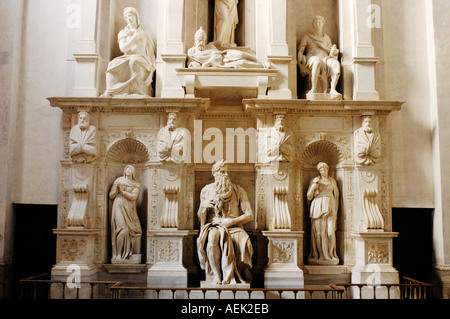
point(126, 229)
point(132, 73)
point(324, 196)
point(226, 20)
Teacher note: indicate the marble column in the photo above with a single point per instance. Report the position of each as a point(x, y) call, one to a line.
point(87, 51)
point(358, 59)
point(276, 12)
point(170, 48)
point(171, 235)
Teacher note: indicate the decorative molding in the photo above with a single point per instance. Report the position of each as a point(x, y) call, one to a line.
point(281, 214)
point(283, 252)
point(168, 250)
point(377, 253)
point(169, 217)
point(373, 217)
point(77, 213)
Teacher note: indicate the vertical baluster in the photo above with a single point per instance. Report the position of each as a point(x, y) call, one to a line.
point(78, 292)
point(63, 290)
point(34, 290)
point(360, 291)
point(92, 290)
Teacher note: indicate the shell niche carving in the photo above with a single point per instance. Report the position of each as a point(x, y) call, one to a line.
point(128, 151)
point(322, 151)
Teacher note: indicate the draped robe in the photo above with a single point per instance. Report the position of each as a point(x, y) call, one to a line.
point(83, 147)
point(236, 248)
point(171, 145)
point(367, 147)
point(323, 213)
point(279, 145)
point(226, 19)
point(132, 72)
point(125, 225)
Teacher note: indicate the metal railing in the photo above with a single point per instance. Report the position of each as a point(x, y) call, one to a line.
point(125, 292)
point(409, 289)
point(36, 288)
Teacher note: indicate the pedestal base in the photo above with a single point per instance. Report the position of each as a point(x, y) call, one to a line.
point(374, 265)
point(169, 248)
point(285, 257)
point(134, 259)
point(323, 96)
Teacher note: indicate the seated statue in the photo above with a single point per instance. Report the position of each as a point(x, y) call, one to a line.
point(367, 144)
point(171, 141)
point(132, 73)
point(204, 55)
point(83, 144)
point(224, 247)
point(321, 60)
point(280, 145)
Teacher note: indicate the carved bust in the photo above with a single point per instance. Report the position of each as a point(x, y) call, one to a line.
point(171, 140)
point(280, 144)
point(367, 144)
point(83, 144)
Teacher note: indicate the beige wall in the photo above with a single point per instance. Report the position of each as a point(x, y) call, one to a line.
point(43, 74)
point(407, 79)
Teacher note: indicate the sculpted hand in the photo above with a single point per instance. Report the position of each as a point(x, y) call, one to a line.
point(227, 222)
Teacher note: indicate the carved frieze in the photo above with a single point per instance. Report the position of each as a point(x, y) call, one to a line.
point(168, 250)
point(283, 252)
point(377, 253)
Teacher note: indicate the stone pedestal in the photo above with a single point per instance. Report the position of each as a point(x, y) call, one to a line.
point(75, 248)
point(323, 96)
point(170, 247)
point(285, 259)
point(374, 264)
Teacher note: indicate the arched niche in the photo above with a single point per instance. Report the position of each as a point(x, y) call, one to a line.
point(314, 153)
point(129, 151)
